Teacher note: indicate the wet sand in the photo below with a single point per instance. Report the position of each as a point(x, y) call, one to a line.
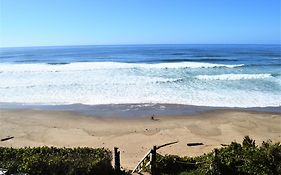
point(135, 136)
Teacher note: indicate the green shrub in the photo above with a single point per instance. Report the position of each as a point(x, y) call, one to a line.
point(235, 159)
point(53, 161)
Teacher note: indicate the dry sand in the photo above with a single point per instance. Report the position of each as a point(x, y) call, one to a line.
point(135, 137)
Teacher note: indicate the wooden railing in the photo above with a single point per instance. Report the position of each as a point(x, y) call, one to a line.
point(150, 159)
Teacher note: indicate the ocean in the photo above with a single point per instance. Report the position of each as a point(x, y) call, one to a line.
point(241, 76)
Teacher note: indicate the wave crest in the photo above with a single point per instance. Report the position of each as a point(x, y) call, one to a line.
point(82, 66)
point(234, 76)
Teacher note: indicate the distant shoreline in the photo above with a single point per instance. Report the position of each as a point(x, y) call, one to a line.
point(135, 110)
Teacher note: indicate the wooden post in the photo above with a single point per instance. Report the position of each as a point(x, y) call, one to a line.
point(153, 160)
point(117, 160)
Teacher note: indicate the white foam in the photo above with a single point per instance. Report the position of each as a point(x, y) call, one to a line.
point(234, 76)
point(105, 65)
point(97, 83)
point(133, 95)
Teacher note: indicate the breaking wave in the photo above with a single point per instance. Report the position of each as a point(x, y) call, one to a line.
point(234, 76)
point(82, 66)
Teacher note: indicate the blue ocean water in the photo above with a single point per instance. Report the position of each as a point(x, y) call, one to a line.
point(204, 75)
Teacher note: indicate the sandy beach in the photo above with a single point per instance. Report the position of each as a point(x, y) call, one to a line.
point(136, 136)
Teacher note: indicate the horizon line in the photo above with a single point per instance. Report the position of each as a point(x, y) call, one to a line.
point(140, 44)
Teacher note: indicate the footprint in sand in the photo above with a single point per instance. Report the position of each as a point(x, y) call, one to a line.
point(206, 131)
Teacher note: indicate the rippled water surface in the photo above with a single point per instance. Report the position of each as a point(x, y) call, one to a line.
point(204, 75)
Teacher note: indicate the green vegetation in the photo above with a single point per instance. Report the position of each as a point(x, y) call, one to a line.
point(235, 159)
point(55, 161)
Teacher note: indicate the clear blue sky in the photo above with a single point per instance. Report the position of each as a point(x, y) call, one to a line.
point(78, 22)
